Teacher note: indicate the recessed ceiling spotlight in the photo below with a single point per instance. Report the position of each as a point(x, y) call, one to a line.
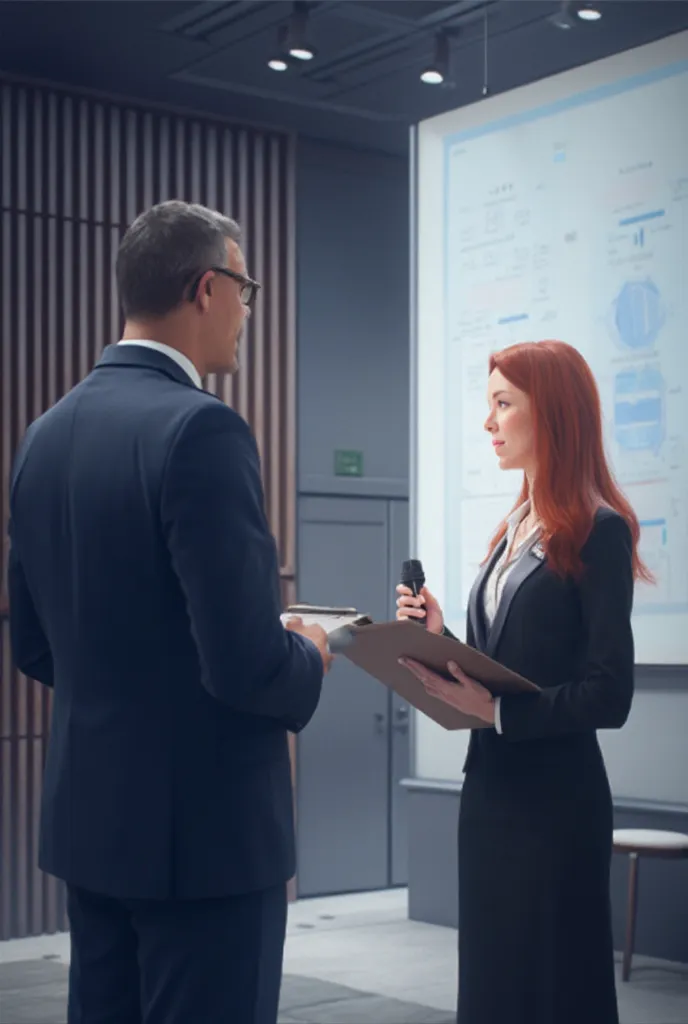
point(278, 64)
point(589, 12)
point(432, 77)
point(302, 53)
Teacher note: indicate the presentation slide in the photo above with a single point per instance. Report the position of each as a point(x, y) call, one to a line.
point(559, 210)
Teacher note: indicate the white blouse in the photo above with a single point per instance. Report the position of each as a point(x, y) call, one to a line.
point(499, 573)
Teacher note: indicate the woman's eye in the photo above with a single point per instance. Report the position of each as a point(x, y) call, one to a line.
point(502, 404)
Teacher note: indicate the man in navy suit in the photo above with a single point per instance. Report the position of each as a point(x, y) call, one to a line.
point(144, 590)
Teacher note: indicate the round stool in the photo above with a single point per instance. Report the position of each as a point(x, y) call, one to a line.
point(643, 842)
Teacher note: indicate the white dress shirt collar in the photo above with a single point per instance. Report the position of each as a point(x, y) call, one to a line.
point(512, 524)
point(172, 353)
point(518, 514)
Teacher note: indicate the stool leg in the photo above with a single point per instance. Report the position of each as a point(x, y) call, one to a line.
point(630, 914)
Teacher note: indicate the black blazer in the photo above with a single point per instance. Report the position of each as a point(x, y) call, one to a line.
point(572, 638)
point(144, 588)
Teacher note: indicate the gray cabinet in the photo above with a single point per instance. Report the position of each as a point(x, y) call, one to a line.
point(351, 812)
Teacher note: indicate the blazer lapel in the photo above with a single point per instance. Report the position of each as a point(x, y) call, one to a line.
point(475, 600)
point(530, 562)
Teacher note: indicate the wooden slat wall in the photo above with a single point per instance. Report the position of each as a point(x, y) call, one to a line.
point(74, 171)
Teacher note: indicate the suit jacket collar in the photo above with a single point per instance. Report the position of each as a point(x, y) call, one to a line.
point(144, 358)
point(487, 637)
point(530, 561)
point(174, 354)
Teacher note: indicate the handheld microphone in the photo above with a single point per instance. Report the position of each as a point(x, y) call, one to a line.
point(412, 576)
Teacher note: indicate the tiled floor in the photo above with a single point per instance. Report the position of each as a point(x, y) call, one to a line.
point(35, 992)
point(366, 943)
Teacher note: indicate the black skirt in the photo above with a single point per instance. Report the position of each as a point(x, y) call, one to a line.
point(535, 935)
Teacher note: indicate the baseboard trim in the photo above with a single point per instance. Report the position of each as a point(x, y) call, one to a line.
point(661, 677)
point(631, 805)
point(622, 803)
point(432, 785)
point(433, 809)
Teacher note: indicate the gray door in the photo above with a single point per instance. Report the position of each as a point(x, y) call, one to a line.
point(343, 776)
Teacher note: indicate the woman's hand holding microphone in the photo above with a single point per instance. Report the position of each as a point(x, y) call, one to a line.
point(469, 696)
point(410, 607)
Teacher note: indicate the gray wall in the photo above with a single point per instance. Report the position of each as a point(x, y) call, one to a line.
point(353, 387)
point(352, 318)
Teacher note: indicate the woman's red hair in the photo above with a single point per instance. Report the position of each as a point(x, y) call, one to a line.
point(573, 477)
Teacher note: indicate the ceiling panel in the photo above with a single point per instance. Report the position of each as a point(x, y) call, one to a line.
point(363, 86)
point(410, 10)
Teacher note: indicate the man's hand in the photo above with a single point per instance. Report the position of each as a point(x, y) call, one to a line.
point(317, 635)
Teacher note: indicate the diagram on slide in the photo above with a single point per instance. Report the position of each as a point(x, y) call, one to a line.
point(544, 247)
point(638, 314)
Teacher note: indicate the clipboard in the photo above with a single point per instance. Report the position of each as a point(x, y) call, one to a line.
point(376, 648)
point(331, 619)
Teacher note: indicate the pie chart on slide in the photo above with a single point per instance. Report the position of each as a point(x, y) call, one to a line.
point(638, 314)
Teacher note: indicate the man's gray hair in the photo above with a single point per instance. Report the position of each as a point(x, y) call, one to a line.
point(165, 251)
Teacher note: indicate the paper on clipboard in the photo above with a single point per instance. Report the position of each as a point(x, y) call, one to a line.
point(330, 619)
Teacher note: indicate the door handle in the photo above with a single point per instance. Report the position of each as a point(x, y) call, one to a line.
point(401, 719)
point(379, 723)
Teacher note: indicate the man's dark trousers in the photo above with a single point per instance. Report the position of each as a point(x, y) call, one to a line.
point(169, 962)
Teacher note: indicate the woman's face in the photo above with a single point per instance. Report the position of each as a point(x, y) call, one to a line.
point(510, 424)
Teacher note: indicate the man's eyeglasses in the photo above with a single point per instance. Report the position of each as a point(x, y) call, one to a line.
point(249, 288)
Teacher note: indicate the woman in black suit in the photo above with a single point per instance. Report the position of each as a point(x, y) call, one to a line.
point(553, 602)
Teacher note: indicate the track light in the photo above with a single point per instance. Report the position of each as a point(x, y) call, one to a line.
point(292, 40)
point(438, 71)
point(297, 33)
point(280, 59)
point(563, 18)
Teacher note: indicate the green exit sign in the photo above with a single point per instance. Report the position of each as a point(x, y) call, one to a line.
point(348, 463)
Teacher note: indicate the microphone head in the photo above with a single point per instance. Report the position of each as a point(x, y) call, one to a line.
point(412, 572)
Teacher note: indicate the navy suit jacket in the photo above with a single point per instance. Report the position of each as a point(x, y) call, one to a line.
point(144, 588)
